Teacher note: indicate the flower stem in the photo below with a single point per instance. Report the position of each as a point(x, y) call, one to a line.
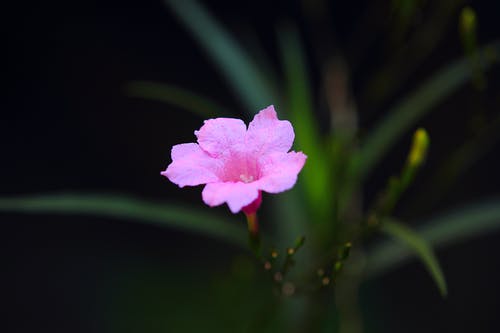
point(253, 233)
point(253, 224)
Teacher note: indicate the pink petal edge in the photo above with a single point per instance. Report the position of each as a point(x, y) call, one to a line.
point(267, 134)
point(220, 136)
point(191, 166)
point(236, 194)
point(280, 171)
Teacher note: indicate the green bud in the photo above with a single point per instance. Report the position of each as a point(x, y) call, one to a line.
point(338, 266)
point(467, 28)
point(419, 148)
point(467, 20)
point(343, 252)
point(299, 242)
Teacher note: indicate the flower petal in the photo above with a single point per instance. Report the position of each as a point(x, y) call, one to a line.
point(279, 171)
point(267, 134)
point(236, 194)
point(220, 136)
point(191, 166)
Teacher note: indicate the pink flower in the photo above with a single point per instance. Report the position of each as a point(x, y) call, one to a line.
point(237, 163)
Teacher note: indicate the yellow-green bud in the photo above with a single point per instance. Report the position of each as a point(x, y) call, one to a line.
point(419, 148)
point(467, 28)
point(467, 20)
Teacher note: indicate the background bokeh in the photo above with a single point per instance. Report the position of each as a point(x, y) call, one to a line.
point(69, 125)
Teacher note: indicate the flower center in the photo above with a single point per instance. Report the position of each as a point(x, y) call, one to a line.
point(240, 168)
point(246, 179)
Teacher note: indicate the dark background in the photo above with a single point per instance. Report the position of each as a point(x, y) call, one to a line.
point(67, 124)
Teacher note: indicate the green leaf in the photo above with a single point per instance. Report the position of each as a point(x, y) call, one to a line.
point(165, 298)
point(414, 106)
point(300, 108)
point(420, 247)
point(449, 228)
point(474, 220)
point(175, 96)
point(250, 84)
point(116, 206)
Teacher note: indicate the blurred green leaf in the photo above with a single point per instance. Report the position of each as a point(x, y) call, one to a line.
point(413, 107)
point(170, 94)
point(289, 218)
point(410, 46)
point(474, 220)
point(420, 247)
point(156, 297)
point(121, 207)
point(453, 227)
point(300, 108)
point(250, 84)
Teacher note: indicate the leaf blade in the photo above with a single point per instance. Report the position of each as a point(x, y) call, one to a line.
point(123, 207)
point(247, 81)
point(445, 229)
point(420, 247)
point(176, 96)
point(412, 107)
point(300, 108)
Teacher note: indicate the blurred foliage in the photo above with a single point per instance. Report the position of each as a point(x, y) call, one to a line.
point(249, 83)
point(292, 288)
point(446, 229)
point(170, 215)
point(300, 110)
point(173, 95)
point(420, 247)
point(416, 105)
point(190, 301)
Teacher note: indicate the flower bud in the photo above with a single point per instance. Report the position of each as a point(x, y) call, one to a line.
point(419, 148)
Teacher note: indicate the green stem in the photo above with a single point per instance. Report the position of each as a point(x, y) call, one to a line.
point(253, 234)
